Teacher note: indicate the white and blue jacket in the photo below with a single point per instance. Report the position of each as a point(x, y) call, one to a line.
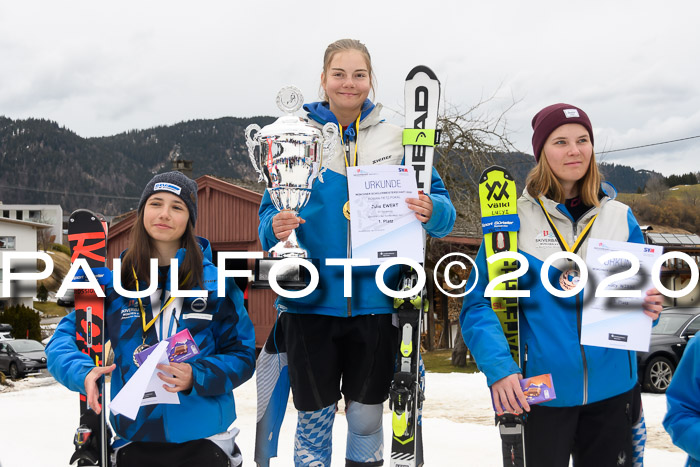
point(550, 327)
point(226, 340)
point(682, 420)
point(325, 233)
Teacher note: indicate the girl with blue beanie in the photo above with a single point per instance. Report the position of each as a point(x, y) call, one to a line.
point(197, 431)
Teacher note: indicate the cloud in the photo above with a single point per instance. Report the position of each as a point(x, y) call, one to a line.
point(100, 68)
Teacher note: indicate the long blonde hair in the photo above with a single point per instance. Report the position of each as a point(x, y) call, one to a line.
point(343, 45)
point(542, 181)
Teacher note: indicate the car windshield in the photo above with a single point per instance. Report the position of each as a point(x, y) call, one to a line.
point(26, 346)
point(669, 323)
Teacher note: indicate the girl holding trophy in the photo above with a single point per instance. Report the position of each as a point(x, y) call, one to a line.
point(337, 346)
point(193, 432)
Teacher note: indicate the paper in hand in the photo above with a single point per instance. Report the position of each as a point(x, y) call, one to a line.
point(144, 387)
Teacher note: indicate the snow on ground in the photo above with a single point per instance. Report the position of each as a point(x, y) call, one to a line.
point(39, 417)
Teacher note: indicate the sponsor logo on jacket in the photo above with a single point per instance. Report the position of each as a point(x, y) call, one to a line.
point(381, 159)
point(546, 239)
point(130, 310)
point(199, 304)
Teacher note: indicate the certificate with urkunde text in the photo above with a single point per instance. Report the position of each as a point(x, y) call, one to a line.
point(613, 316)
point(381, 225)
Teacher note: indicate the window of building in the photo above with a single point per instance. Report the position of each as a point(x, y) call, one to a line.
point(7, 243)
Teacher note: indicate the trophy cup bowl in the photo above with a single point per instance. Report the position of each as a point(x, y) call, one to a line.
point(289, 160)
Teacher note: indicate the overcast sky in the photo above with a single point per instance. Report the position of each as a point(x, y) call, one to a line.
point(103, 67)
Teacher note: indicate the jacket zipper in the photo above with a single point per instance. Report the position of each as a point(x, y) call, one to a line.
point(579, 318)
point(583, 352)
point(349, 244)
point(629, 359)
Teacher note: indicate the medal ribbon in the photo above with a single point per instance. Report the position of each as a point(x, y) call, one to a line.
point(146, 327)
point(340, 129)
point(560, 238)
point(346, 206)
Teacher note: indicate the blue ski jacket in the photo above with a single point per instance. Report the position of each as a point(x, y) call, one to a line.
point(682, 420)
point(550, 327)
point(226, 340)
point(326, 231)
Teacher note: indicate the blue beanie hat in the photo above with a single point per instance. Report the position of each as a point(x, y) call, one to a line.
point(176, 183)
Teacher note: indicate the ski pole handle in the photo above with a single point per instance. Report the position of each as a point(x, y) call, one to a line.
point(88, 330)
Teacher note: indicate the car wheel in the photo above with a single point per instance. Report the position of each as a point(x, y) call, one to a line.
point(658, 375)
point(14, 372)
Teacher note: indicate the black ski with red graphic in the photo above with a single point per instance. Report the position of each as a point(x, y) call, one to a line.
point(87, 236)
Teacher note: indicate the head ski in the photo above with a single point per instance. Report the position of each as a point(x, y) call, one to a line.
point(422, 96)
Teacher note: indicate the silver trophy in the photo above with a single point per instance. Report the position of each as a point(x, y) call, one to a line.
point(289, 160)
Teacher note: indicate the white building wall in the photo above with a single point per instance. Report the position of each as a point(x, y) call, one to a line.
point(50, 213)
point(22, 292)
point(691, 298)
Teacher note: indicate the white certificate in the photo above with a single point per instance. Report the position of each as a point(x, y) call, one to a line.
point(617, 321)
point(144, 387)
point(381, 225)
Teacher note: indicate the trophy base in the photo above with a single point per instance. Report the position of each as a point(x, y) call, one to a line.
point(291, 277)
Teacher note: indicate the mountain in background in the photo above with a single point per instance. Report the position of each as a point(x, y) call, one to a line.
point(626, 179)
point(44, 163)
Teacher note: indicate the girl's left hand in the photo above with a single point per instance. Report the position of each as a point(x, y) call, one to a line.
point(653, 303)
point(181, 379)
point(422, 206)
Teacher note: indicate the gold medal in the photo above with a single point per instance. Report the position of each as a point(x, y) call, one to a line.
point(346, 210)
point(569, 279)
point(139, 349)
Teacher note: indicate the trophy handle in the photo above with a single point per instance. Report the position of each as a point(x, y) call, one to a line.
point(252, 143)
point(330, 141)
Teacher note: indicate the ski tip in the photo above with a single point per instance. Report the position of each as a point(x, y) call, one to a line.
point(493, 168)
point(81, 213)
point(421, 69)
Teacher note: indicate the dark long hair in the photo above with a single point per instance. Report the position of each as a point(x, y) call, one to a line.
point(138, 256)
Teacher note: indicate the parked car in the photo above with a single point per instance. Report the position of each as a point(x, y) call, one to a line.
point(5, 331)
point(21, 356)
point(668, 341)
point(68, 300)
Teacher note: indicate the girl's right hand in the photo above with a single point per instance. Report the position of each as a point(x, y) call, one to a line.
point(284, 223)
point(507, 393)
point(91, 389)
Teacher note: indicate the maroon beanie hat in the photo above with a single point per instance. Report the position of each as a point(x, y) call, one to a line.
point(550, 118)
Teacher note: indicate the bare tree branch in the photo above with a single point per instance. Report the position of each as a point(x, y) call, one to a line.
point(469, 140)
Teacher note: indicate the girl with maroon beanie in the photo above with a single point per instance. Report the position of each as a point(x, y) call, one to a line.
point(597, 403)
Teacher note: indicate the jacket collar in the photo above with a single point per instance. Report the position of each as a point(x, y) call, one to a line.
point(559, 211)
point(321, 113)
